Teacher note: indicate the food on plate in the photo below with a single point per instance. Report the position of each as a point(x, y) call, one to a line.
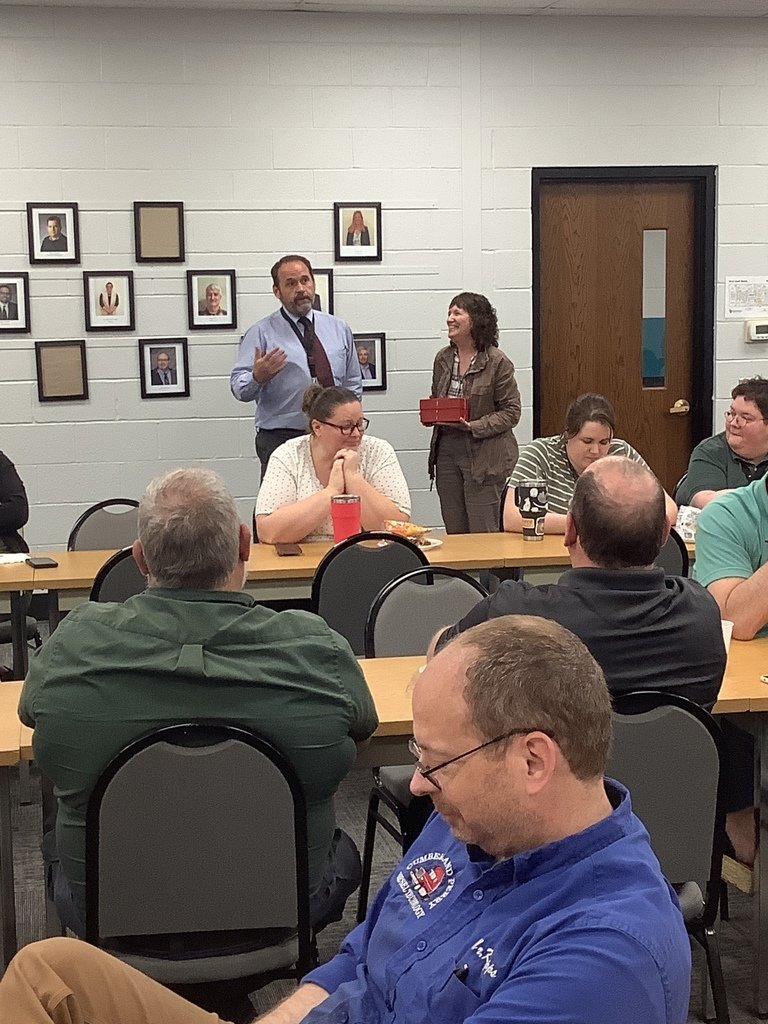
point(411, 531)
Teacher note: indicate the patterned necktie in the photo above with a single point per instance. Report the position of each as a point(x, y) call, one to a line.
point(3, 313)
point(319, 367)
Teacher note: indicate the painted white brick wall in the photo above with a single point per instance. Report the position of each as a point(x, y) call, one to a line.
point(260, 125)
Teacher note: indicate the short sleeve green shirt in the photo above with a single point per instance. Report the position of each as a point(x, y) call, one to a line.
point(714, 467)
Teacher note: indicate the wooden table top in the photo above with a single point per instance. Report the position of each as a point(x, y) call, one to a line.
point(16, 576)
point(469, 551)
point(390, 682)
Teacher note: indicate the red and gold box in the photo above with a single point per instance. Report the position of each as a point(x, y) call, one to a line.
point(434, 411)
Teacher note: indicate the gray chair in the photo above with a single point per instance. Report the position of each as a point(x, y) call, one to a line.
point(196, 858)
point(403, 619)
point(118, 579)
point(668, 751)
point(673, 557)
point(352, 573)
point(678, 485)
point(407, 612)
point(102, 526)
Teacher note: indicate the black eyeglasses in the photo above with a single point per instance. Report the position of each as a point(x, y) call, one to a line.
point(428, 773)
point(349, 428)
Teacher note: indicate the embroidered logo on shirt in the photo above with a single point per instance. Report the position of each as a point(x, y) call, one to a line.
point(427, 879)
point(485, 953)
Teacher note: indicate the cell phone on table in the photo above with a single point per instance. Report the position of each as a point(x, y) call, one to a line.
point(41, 562)
point(288, 549)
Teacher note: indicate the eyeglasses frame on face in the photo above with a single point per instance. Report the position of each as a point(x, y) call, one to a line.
point(347, 431)
point(427, 773)
point(746, 421)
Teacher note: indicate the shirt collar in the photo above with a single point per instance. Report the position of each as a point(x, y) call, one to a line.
point(295, 319)
point(222, 596)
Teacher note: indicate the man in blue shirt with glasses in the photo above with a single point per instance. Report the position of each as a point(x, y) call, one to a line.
point(531, 896)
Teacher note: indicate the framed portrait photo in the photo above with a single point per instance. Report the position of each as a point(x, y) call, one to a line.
point(164, 367)
point(159, 232)
point(108, 296)
point(372, 356)
point(14, 303)
point(323, 290)
point(62, 371)
point(211, 300)
point(53, 231)
point(357, 232)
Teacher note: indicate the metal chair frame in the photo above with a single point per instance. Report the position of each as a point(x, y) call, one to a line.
point(108, 503)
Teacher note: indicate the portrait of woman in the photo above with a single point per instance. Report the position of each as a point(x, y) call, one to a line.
point(471, 459)
point(357, 232)
point(336, 457)
point(588, 435)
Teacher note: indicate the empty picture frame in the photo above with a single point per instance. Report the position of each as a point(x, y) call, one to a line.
point(164, 367)
point(372, 356)
point(108, 296)
point(53, 231)
point(62, 371)
point(357, 232)
point(14, 303)
point(323, 290)
point(211, 300)
point(159, 232)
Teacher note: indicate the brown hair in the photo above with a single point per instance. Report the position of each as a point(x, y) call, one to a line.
point(528, 672)
point(485, 326)
point(754, 389)
point(319, 403)
point(290, 259)
point(588, 408)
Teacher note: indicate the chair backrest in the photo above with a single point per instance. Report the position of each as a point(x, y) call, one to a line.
point(678, 485)
point(668, 752)
point(502, 501)
point(98, 527)
point(407, 612)
point(673, 557)
point(352, 573)
point(118, 579)
point(198, 828)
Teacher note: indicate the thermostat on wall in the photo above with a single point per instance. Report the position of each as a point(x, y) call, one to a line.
point(757, 330)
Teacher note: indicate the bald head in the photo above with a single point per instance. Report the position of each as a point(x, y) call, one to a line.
point(618, 513)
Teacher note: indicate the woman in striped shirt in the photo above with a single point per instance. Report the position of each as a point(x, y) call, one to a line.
point(590, 423)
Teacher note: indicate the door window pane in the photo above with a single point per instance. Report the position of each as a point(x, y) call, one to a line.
point(654, 307)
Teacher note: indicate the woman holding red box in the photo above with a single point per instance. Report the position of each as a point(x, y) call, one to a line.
point(471, 457)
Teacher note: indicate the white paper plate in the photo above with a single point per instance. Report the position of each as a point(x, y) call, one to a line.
point(427, 543)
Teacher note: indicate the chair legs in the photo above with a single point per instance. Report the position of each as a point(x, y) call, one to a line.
point(707, 938)
point(410, 819)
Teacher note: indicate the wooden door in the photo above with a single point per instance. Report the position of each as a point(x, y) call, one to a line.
point(592, 296)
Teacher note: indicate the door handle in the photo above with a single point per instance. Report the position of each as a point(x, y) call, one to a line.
point(680, 408)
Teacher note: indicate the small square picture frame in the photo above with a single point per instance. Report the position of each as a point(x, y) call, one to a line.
point(357, 232)
point(164, 357)
point(211, 300)
point(323, 289)
point(62, 371)
point(108, 299)
point(159, 232)
point(371, 351)
point(53, 233)
point(14, 303)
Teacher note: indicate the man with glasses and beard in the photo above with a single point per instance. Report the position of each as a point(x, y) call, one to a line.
point(281, 355)
point(737, 455)
point(531, 895)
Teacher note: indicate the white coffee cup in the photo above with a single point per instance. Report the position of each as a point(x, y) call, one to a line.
point(727, 631)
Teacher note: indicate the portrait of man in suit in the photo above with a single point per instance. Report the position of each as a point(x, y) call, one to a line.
point(9, 308)
point(367, 366)
point(162, 372)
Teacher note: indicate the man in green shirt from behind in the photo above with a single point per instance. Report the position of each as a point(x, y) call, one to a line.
point(194, 646)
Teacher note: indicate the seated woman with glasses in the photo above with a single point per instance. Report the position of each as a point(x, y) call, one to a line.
point(335, 457)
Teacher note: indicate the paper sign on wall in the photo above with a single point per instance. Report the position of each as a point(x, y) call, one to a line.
point(746, 297)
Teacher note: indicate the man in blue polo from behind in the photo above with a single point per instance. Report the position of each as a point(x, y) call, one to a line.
point(531, 897)
point(282, 354)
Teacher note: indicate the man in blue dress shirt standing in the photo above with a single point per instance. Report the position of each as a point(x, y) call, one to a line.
point(282, 354)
